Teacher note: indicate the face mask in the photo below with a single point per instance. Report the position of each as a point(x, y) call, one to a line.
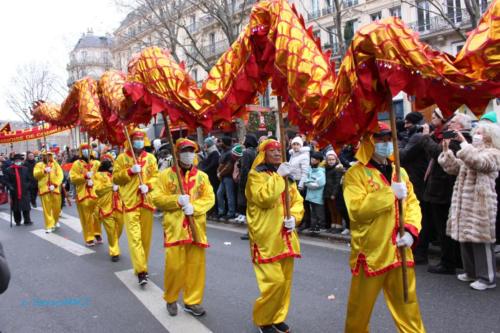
point(384, 149)
point(18, 163)
point(477, 139)
point(96, 154)
point(186, 158)
point(138, 144)
point(85, 153)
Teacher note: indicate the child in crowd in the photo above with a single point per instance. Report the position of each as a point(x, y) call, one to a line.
point(315, 184)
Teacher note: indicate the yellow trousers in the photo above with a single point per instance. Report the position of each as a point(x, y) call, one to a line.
point(364, 292)
point(113, 225)
point(51, 205)
point(184, 271)
point(139, 226)
point(275, 285)
point(90, 227)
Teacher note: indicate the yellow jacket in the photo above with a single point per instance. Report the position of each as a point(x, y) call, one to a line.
point(373, 208)
point(129, 182)
point(175, 223)
point(269, 240)
point(107, 200)
point(55, 177)
point(78, 176)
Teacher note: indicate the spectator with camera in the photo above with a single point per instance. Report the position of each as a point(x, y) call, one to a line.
point(439, 188)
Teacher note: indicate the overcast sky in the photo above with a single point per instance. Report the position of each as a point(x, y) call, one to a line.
point(45, 31)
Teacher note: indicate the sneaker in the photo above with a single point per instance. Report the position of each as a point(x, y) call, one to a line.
point(172, 309)
point(346, 232)
point(243, 219)
point(479, 285)
point(281, 327)
point(267, 329)
point(245, 237)
point(143, 280)
point(90, 243)
point(464, 277)
point(98, 239)
point(48, 230)
point(195, 309)
point(115, 258)
point(58, 225)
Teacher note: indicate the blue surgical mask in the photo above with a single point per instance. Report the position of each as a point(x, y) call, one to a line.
point(384, 149)
point(18, 163)
point(138, 144)
point(85, 153)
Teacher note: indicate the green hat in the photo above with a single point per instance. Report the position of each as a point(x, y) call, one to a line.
point(237, 150)
point(490, 116)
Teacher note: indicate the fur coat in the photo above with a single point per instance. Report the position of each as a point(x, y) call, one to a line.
point(473, 209)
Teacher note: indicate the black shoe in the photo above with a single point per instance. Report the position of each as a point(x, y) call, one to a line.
point(172, 309)
point(336, 231)
point(98, 239)
point(18, 224)
point(441, 269)
point(115, 258)
point(195, 309)
point(420, 259)
point(143, 280)
point(219, 217)
point(229, 217)
point(267, 329)
point(245, 237)
point(282, 327)
point(28, 223)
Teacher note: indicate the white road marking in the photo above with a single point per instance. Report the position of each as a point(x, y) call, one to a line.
point(339, 247)
point(6, 217)
point(151, 296)
point(63, 243)
point(69, 220)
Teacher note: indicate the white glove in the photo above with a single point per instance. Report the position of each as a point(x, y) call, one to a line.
point(136, 168)
point(188, 209)
point(313, 185)
point(399, 190)
point(144, 188)
point(405, 241)
point(115, 188)
point(90, 174)
point(52, 188)
point(48, 169)
point(90, 183)
point(183, 200)
point(289, 223)
point(284, 169)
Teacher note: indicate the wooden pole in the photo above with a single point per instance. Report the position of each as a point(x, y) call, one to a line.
point(283, 156)
point(178, 172)
point(402, 250)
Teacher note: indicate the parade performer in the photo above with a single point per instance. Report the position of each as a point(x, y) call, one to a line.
point(371, 194)
point(109, 205)
point(18, 180)
point(184, 256)
point(81, 175)
point(137, 203)
point(49, 175)
point(274, 242)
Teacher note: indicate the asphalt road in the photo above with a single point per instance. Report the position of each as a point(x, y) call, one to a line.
point(55, 290)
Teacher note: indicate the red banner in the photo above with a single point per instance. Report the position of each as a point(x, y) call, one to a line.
point(33, 133)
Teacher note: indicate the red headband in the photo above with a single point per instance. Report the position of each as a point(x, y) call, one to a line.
point(272, 145)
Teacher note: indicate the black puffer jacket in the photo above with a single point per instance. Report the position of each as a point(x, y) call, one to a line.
point(333, 175)
point(414, 159)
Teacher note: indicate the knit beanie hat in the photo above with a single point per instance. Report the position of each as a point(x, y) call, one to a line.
point(414, 117)
point(490, 116)
point(237, 150)
point(298, 140)
point(209, 141)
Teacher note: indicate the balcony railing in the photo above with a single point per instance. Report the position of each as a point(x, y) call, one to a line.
point(328, 10)
point(215, 49)
point(439, 24)
point(314, 14)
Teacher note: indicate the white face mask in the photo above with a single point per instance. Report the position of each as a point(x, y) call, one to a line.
point(187, 158)
point(477, 139)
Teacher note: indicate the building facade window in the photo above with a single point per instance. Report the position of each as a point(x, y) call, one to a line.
point(454, 10)
point(350, 3)
point(376, 16)
point(396, 11)
point(264, 99)
point(423, 15)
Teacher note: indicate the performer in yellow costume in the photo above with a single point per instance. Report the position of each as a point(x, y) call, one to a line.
point(109, 205)
point(184, 256)
point(137, 203)
point(371, 193)
point(274, 242)
point(49, 175)
point(81, 175)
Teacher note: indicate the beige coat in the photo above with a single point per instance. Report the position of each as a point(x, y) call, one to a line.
point(473, 209)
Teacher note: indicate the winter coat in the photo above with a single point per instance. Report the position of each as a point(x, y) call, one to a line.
point(473, 209)
point(372, 208)
point(209, 166)
point(415, 162)
point(333, 175)
point(19, 192)
point(315, 183)
point(438, 184)
point(30, 164)
point(246, 162)
point(300, 164)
